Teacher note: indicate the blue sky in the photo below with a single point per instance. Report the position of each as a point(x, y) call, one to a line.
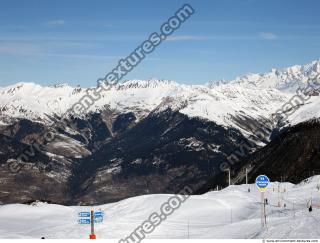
point(78, 41)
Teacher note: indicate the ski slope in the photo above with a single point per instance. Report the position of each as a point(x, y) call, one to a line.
point(229, 213)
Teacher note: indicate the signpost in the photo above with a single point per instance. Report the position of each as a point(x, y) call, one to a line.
point(92, 235)
point(262, 183)
point(98, 214)
point(91, 218)
point(98, 220)
point(84, 221)
point(84, 214)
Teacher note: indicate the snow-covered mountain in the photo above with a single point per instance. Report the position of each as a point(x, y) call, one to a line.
point(284, 79)
point(148, 136)
point(256, 95)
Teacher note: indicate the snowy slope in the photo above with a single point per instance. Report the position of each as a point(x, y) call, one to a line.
point(308, 111)
point(229, 213)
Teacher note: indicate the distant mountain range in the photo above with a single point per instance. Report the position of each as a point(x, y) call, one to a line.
point(153, 136)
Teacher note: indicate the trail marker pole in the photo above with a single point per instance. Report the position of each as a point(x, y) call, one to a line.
point(262, 183)
point(91, 218)
point(262, 204)
point(264, 211)
point(229, 177)
point(246, 176)
point(247, 179)
point(279, 194)
point(92, 235)
point(188, 229)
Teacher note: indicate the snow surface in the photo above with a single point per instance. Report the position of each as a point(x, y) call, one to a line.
point(229, 213)
point(310, 110)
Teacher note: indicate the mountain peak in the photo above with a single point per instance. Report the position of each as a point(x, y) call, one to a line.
point(60, 85)
point(20, 86)
point(284, 79)
point(151, 83)
point(214, 83)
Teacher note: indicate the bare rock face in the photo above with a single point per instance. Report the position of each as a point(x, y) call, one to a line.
point(42, 177)
point(161, 154)
point(88, 163)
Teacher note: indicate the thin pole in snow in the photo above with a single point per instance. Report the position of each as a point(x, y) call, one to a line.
point(279, 205)
point(263, 211)
point(229, 177)
point(262, 203)
point(92, 235)
point(246, 176)
point(188, 230)
point(247, 180)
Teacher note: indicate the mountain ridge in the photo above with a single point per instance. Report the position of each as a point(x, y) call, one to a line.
point(142, 136)
point(32, 101)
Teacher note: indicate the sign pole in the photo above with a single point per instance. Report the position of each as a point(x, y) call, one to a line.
point(262, 183)
point(247, 180)
point(262, 214)
point(264, 211)
point(91, 217)
point(92, 235)
point(279, 204)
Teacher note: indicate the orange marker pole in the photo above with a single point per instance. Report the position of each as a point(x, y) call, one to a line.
point(92, 235)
